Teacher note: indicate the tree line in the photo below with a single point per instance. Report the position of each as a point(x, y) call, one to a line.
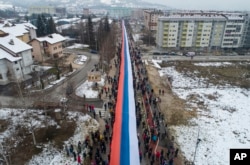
point(45, 25)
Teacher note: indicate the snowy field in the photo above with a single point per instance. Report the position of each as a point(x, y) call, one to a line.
point(35, 120)
point(86, 89)
point(52, 156)
point(222, 123)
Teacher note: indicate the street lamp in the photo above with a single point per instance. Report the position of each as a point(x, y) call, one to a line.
point(197, 143)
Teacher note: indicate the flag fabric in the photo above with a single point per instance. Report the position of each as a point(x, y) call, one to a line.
point(124, 145)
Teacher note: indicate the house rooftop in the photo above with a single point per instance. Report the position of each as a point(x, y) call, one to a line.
point(16, 29)
point(13, 44)
point(8, 56)
point(52, 38)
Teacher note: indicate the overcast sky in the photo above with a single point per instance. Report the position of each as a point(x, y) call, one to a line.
point(206, 4)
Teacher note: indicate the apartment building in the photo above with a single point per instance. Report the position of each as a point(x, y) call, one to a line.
point(151, 18)
point(48, 47)
point(59, 11)
point(202, 30)
point(15, 59)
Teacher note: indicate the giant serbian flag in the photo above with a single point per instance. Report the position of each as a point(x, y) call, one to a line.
point(124, 145)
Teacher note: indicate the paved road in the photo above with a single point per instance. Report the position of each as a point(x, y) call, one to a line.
point(76, 80)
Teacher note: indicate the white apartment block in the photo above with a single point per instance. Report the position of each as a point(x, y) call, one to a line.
point(198, 29)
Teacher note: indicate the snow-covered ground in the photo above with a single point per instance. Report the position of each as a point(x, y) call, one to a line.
point(35, 119)
point(81, 59)
point(222, 124)
point(53, 156)
point(86, 89)
point(78, 46)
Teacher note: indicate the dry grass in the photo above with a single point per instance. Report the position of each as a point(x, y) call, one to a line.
point(171, 106)
point(43, 135)
point(237, 74)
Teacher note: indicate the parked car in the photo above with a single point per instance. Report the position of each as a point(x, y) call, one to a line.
point(173, 53)
point(156, 53)
point(164, 53)
point(189, 54)
point(93, 51)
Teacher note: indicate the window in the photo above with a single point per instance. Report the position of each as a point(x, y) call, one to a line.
point(15, 62)
point(17, 69)
point(238, 28)
point(1, 77)
point(55, 48)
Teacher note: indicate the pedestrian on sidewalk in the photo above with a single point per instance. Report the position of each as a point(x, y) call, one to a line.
point(100, 114)
point(79, 159)
point(176, 152)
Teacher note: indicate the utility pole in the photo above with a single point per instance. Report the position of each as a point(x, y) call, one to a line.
point(197, 143)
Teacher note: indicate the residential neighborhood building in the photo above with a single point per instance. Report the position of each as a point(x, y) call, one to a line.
point(15, 59)
point(151, 18)
point(119, 12)
point(52, 10)
point(48, 47)
point(23, 31)
point(203, 30)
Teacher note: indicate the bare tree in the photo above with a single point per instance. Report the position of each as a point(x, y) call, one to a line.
point(3, 154)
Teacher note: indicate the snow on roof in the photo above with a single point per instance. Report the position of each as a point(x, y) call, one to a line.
point(16, 29)
point(6, 6)
point(29, 25)
point(62, 27)
point(70, 20)
point(8, 56)
point(14, 44)
point(52, 38)
point(96, 19)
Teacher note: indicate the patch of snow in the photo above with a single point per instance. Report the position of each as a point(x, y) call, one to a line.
point(155, 62)
point(57, 81)
point(25, 118)
point(136, 37)
point(86, 89)
point(181, 80)
point(216, 64)
point(52, 156)
point(81, 59)
point(78, 46)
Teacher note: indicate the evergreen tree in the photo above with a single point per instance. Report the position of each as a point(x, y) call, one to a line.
point(51, 27)
point(90, 33)
point(26, 18)
point(57, 71)
point(41, 26)
point(45, 22)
